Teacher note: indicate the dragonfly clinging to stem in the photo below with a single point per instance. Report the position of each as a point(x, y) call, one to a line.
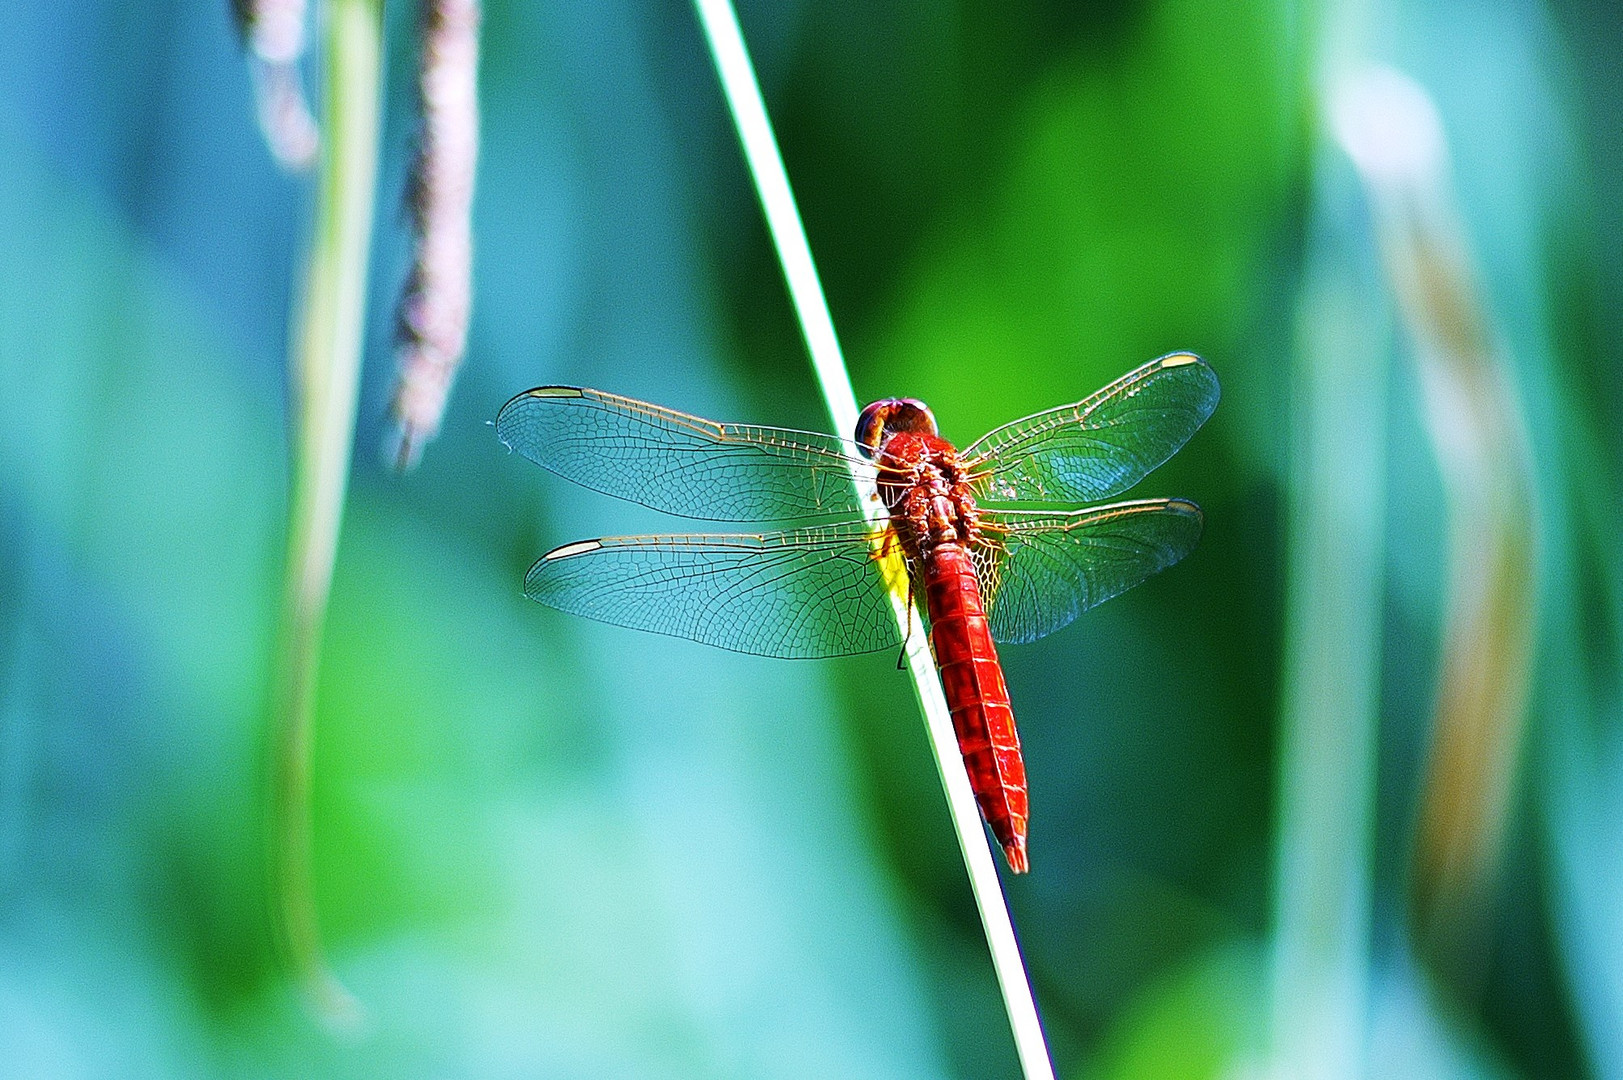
point(997, 539)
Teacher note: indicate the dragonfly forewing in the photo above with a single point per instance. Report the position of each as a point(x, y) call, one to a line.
point(1099, 447)
point(682, 464)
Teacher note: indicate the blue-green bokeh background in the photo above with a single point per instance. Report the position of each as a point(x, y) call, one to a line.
point(547, 848)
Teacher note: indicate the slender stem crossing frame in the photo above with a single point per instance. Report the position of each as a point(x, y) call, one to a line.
point(744, 100)
point(326, 374)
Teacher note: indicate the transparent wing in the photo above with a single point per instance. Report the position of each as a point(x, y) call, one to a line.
point(1039, 570)
point(682, 464)
point(1100, 447)
point(806, 593)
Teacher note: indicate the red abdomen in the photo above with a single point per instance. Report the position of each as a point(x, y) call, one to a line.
point(976, 696)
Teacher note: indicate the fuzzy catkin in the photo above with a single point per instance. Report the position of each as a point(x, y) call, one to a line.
point(435, 305)
point(273, 33)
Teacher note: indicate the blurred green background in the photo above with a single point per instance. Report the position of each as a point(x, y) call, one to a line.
point(548, 848)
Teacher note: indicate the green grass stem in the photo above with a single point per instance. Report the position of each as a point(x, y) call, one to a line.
point(748, 108)
point(326, 365)
point(1335, 510)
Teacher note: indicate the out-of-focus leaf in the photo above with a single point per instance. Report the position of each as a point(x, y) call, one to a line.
point(1201, 1021)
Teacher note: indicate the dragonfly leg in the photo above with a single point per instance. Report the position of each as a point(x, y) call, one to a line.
point(901, 656)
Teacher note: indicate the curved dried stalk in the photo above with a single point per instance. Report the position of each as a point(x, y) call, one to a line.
point(1475, 419)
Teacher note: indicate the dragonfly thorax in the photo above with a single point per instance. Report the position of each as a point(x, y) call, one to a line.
point(924, 488)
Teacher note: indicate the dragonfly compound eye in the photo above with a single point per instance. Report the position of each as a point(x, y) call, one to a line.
point(871, 426)
point(888, 416)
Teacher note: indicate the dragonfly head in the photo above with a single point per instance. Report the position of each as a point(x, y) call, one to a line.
point(888, 416)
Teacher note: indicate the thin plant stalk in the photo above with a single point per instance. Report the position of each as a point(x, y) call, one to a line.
point(748, 109)
point(326, 375)
point(1330, 693)
point(1335, 511)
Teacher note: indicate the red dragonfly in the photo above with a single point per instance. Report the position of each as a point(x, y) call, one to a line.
point(990, 567)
